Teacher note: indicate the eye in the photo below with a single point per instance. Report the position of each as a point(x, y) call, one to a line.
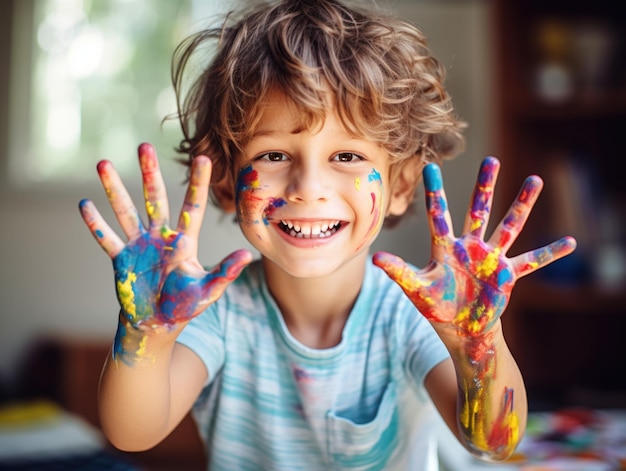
point(347, 157)
point(273, 156)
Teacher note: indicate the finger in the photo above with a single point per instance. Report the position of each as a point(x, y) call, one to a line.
point(439, 219)
point(427, 289)
point(121, 202)
point(400, 272)
point(528, 262)
point(101, 231)
point(194, 206)
point(482, 197)
point(153, 187)
point(225, 273)
point(511, 225)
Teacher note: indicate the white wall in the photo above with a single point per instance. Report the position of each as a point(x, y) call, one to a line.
point(55, 279)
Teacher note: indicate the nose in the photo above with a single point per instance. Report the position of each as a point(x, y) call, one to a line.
point(308, 182)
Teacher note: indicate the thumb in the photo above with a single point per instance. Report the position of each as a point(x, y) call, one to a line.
point(413, 285)
point(395, 267)
point(227, 271)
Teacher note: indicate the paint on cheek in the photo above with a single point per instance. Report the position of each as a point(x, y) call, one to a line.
point(248, 179)
point(376, 211)
point(274, 204)
point(374, 176)
point(357, 184)
point(245, 200)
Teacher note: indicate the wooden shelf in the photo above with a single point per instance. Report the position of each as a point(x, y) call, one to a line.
point(585, 299)
point(564, 333)
point(609, 106)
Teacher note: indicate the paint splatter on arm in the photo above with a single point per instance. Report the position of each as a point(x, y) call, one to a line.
point(463, 293)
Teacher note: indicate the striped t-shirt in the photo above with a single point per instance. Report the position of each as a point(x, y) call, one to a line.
point(274, 404)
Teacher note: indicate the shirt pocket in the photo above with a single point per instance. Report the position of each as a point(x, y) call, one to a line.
point(365, 446)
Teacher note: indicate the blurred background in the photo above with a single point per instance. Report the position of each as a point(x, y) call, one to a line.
point(542, 85)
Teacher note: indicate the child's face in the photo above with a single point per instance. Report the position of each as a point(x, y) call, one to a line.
point(310, 200)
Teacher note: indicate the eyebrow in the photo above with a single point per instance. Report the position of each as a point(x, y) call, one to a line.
point(270, 132)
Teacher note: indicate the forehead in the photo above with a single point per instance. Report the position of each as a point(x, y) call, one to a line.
point(277, 112)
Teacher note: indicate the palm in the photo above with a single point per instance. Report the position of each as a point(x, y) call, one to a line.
point(469, 281)
point(159, 280)
point(155, 281)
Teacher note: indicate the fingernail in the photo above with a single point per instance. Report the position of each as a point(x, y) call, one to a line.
point(432, 177)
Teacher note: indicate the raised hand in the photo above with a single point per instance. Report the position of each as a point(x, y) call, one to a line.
point(158, 278)
point(468, 282)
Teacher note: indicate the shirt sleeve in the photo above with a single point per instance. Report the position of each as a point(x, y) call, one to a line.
point(423, 348)
point(204, 335)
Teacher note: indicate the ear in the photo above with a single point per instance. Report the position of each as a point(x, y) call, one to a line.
point(223, 192)
point(403, 180)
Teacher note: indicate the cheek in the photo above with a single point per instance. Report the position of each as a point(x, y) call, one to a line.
point(371, 190)
point(245, 199)
point(374, 189)
point(254, 205)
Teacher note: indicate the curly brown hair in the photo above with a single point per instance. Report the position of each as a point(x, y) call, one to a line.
point(385, 83)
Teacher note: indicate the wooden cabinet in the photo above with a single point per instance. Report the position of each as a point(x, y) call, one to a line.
point(67, 370)
point(561, 113)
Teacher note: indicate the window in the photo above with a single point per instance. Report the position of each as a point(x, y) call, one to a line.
point(99, 83)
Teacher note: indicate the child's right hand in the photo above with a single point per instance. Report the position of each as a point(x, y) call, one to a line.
point(159, 280)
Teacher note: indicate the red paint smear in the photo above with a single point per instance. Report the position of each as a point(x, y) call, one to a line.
point(500, 436)
point(373, 202)
point(248, 179)
point(481, 351)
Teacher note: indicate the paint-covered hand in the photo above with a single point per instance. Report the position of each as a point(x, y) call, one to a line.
point(468, 281)
point(158, 277)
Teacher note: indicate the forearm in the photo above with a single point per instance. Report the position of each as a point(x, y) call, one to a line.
point(134, 399)
point(491, 405)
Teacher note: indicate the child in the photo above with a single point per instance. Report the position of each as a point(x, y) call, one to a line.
point(313, 124)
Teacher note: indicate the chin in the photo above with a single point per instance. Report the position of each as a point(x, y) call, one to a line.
point(315, 268)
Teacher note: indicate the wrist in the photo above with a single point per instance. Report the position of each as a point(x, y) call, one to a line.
point(140, 344)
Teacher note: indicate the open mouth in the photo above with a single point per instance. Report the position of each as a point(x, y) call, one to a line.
point(312, 230)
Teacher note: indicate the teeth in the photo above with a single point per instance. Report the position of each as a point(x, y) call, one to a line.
point(308, 230)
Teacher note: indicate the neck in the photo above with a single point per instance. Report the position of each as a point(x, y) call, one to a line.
point(315, 310)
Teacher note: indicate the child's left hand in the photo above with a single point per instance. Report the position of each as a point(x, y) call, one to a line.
point(468, 281)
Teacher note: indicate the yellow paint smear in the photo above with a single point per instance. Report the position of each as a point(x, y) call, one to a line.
point(489, 264)
point(127, 295)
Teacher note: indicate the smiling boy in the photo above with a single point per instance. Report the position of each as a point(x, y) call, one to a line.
point(317, 120)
